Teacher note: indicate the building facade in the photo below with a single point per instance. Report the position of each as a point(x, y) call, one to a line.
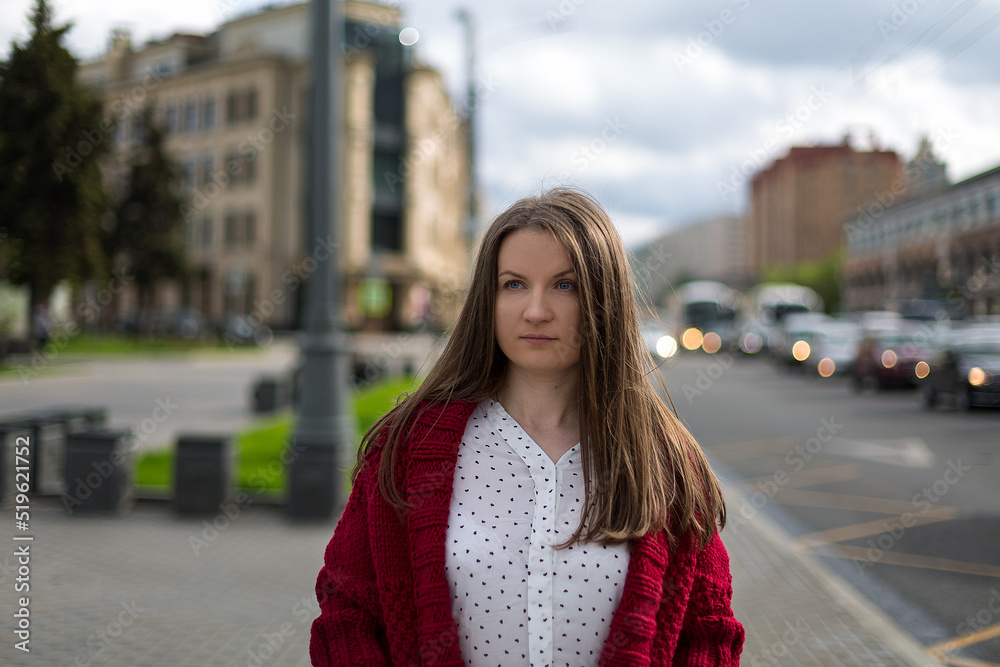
point(234, 105)
point(797, 203)
point(711, 249)
point(944, 245)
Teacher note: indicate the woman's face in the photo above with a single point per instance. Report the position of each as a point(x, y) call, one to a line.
point(537, 315)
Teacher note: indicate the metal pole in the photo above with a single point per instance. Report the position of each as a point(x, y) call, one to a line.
point(324, 428)
point(472, 231)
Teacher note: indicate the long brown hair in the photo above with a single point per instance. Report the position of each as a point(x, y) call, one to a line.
point(643, 470)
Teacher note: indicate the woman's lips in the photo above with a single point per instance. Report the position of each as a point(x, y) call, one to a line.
point(537, 340)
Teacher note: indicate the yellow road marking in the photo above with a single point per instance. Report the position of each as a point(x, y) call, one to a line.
point(966, 640)
point(810, 477)
point(736, 451)
point(906, 560)
point(846, 501)
point(876, 527)
point(958, 661)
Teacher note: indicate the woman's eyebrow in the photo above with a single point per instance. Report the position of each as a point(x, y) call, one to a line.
point(520, 277)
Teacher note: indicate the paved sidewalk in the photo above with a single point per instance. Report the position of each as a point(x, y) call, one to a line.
point(796, 612)
point(150, 588)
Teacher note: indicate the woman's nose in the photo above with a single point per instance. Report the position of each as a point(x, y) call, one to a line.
point(538, 309)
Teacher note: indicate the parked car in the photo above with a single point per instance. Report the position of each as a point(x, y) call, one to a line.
point(242, 330)
point(966, 368)
point(794, 340)
point(187, 323)
point(834, 348)
point(890, 357)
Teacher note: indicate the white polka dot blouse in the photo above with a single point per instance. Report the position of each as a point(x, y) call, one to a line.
point(516, 599)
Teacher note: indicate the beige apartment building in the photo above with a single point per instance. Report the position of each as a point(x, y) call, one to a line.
point(234, 104)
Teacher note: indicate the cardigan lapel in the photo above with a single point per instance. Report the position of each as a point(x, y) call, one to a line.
point(430, 475)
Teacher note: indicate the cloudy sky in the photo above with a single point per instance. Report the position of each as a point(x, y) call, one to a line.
point(662, 109)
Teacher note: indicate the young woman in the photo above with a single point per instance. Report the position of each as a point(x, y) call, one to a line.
point(533, 501)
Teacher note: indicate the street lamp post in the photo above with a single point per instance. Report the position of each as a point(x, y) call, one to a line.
point(324, 428)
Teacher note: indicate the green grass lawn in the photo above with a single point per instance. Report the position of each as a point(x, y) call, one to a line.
point(116, 344)
point(259, 447)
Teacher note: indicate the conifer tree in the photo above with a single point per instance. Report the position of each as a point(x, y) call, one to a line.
point(52, 136)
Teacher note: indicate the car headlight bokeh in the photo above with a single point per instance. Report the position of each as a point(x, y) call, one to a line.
point(666, 346)
point(977, 376)
point(691, 339)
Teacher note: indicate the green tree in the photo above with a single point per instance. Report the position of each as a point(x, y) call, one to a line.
point(147, 240)
point(822, 275)
point(52, 137)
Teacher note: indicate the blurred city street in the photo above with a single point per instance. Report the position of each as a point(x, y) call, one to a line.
point(901, 502)
point(208, 391)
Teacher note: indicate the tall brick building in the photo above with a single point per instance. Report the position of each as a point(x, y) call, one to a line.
point(797, 203)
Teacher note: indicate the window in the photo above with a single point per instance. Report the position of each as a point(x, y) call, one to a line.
point(207, 167)
point(251, 103)
point(387, 233)
point(138, 129)
point(170, 119)
point(250, 165)
point(189, 173)
point(206, 231)
point(190, 116)
point(241, 105)
point(230, 230)
point(208, 113)
point(251, 229)
point(231, 108)
point(233, 166)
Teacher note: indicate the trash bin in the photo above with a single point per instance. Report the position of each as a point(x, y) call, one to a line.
point(204, 472)
point(12, 434)
point(47, 453)
point(270, 394)
point(98, 473)
point(78, 417)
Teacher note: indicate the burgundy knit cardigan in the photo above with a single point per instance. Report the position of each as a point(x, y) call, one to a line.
point(384, 597)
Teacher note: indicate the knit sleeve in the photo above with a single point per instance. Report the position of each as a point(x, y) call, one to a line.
point(350, 629)
point(710, 636)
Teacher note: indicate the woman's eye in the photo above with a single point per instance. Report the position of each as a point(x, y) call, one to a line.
point(513, 284)
point(565, 285)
